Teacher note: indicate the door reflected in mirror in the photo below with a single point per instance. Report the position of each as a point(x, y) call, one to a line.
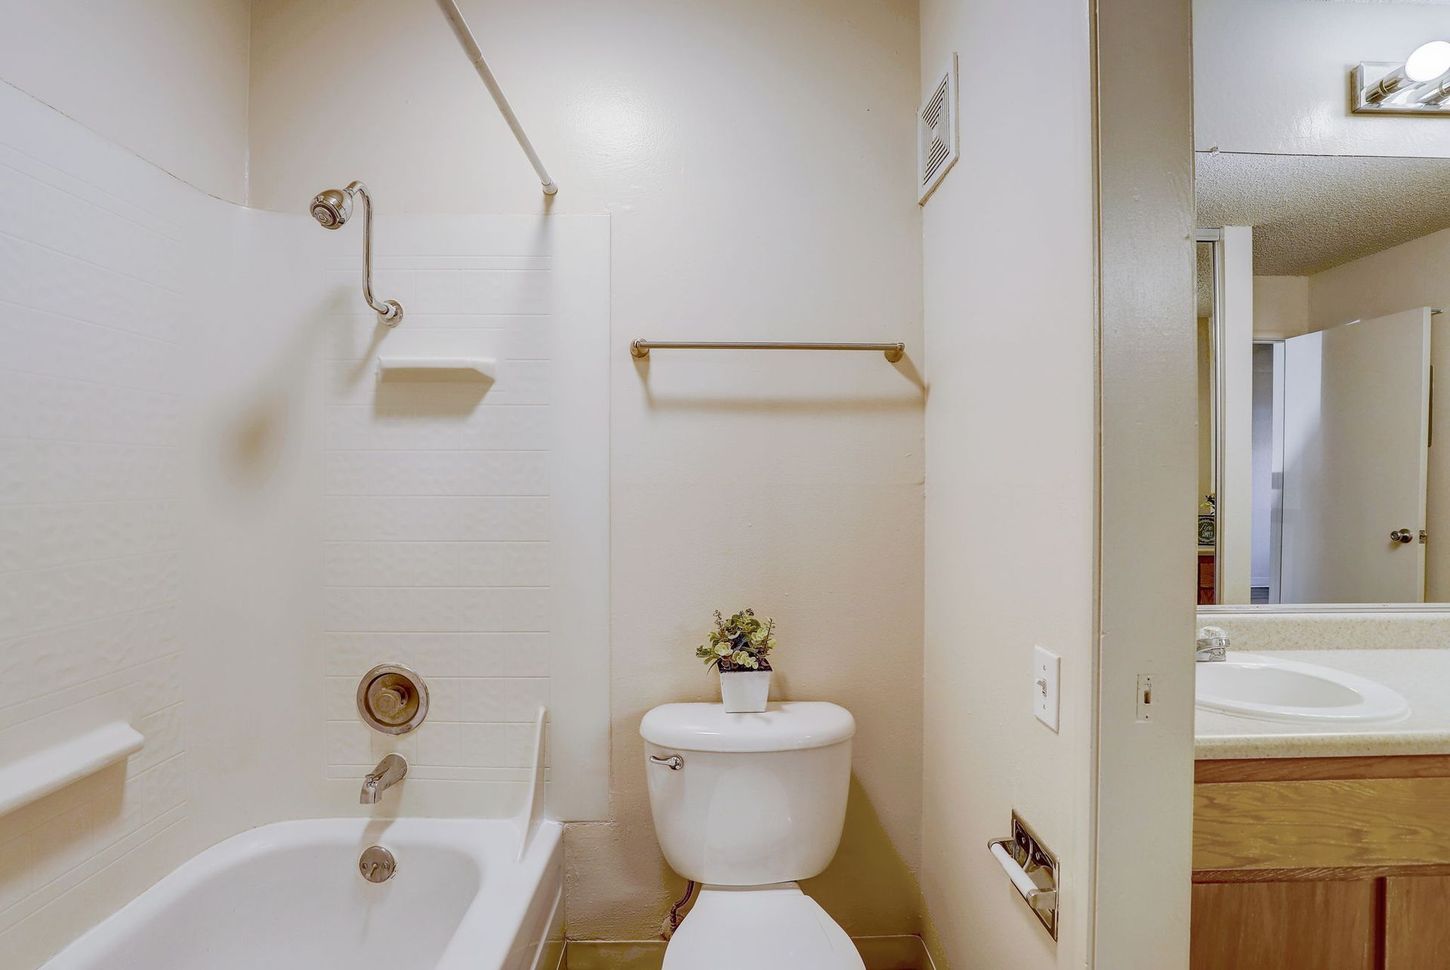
point(1319, 293)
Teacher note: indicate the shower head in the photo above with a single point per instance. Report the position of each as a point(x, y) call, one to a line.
point(331, 207)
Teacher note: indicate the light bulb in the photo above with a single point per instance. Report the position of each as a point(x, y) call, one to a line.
point(1428, 61)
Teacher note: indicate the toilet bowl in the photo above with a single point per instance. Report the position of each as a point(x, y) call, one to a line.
point(746, 805)
point(769, 927)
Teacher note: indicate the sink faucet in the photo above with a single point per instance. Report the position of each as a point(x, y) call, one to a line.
point(1212, 645)
point(388, 773)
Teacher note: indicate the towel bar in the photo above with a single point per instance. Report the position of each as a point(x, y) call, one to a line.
point(640, 349)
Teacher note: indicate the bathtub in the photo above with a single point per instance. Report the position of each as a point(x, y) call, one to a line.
point(289, 897)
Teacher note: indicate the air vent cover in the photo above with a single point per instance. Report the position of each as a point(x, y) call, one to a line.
point(938, 142)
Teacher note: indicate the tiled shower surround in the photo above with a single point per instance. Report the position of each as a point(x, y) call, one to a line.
point(437, 521)
point(92, 322)
point(214, 518)
point(464, 522)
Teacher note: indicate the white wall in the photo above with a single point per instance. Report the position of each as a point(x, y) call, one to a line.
point(1281, 306)
point(1406, 276)
point(756, 160)
point(1146, 224)
point(166, 79)
point(1010, 481)
point(1271, 76)
point(1206, 403)
point(94, 256)
point(1235, 367)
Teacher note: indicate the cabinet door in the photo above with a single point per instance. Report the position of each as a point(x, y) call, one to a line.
point(1284, 926)
point(1417, 922)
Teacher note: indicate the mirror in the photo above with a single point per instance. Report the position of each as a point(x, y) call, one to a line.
point(1320, 283)
point(1323, 189)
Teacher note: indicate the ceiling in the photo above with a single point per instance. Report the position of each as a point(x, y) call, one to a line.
point(1313, 212)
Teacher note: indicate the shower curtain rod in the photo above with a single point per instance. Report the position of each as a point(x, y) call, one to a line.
point(470, 47)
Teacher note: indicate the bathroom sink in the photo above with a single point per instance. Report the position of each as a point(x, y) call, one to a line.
point(1251, 685)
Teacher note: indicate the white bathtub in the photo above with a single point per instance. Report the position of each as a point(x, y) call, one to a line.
point(289, 897)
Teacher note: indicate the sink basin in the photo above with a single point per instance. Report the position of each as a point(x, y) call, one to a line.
point(1250, 685)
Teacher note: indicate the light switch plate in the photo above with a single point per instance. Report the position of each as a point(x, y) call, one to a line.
point(1046, 668)
point(1145, 698)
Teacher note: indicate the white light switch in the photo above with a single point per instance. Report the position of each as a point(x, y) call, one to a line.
point(1046, 666)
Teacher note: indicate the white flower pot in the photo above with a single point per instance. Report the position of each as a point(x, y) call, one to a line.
point(744, 691)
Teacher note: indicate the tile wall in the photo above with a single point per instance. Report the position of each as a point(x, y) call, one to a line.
point(92, 322)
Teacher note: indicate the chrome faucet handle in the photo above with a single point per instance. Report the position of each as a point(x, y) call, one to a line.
point(1212, 645)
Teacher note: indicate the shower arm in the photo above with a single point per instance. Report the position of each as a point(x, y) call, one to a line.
point(391, 311)
point(470, 47)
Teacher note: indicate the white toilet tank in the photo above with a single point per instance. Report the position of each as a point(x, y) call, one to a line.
point(756, 798)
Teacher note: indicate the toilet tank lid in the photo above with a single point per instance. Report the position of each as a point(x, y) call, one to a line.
point(786, 726)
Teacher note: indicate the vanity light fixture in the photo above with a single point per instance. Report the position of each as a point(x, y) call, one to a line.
point(1419, 86)
point(1428, 61)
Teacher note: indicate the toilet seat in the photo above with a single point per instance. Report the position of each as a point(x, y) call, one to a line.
point(775, 927)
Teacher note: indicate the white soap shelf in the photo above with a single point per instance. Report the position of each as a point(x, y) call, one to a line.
point(437, 368)
point(50, 769)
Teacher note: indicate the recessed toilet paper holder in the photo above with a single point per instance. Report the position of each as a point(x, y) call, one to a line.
point(1032, 867)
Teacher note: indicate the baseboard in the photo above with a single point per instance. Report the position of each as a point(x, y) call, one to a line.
point(878, 952)
point(894, 952)
point(613, 955)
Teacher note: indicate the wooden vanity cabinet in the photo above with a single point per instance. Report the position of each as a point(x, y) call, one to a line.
point(1314, 925)
point(1322, 864)
point(1207, 578)
point(1417, 922)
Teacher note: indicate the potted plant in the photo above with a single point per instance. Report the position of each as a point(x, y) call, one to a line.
point(738, 647)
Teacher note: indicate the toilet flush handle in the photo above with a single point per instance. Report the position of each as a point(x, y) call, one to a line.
point(674, 762)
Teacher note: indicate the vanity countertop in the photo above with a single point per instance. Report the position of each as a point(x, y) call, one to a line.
point(1422, 676)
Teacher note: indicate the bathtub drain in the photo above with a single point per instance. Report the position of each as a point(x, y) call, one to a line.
point(377, 864)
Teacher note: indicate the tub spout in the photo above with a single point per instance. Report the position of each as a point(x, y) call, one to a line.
point(388, 773)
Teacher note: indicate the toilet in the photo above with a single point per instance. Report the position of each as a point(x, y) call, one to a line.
point(746, 805)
